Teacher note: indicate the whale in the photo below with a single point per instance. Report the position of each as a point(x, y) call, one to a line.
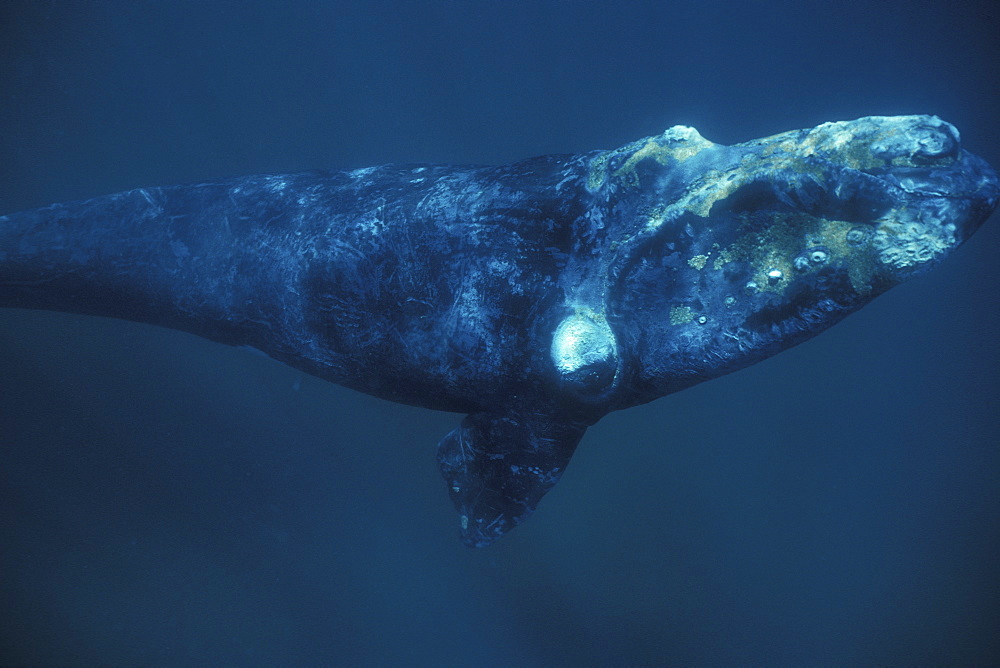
point(534, 297)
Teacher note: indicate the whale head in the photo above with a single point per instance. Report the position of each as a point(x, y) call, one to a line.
point(739, 252)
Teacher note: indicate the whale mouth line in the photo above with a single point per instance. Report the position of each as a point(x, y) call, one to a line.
point(925, 190)
point(965, 178)
point(928, 192)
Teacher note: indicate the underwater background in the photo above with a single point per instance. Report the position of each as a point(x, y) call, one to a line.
point(165, 500)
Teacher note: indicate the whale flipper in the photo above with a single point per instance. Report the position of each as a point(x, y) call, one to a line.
point(498, 467)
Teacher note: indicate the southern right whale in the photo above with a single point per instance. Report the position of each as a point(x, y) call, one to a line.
point(536, 297)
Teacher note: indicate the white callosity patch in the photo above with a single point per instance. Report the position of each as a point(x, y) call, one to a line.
point(917, 137)
point(912, 237)
point(866, 142)
point(685, 141)
point(901, 244)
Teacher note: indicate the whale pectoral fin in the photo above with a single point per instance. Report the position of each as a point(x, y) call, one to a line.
point(499, 467)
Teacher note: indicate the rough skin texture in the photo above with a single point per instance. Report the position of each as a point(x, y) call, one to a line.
point(537, 296)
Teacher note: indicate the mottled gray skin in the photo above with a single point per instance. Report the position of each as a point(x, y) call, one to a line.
point(536, 297)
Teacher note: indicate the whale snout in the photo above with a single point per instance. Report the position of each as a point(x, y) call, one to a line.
point(915, 139)
point(938, 206)
point(936, 194)
point(979, 190)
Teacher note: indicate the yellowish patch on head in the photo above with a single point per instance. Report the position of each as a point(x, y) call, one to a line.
point(698, 262)
point(772, 241)
point(677, 144)
point(598, 170)
point(724, 257)
point(713, 187)
point(681, 315)
point(847, 143)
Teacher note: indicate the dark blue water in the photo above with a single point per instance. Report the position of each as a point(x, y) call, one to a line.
point(165, 500)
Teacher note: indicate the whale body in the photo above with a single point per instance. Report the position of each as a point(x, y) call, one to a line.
point(535, 297)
